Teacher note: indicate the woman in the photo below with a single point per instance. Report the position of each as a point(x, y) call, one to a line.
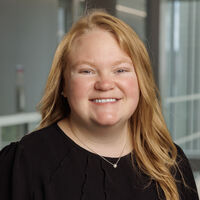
point(102, 134)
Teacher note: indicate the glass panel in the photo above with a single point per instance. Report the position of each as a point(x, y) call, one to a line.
point(180, 74)
point(180, 64)
point(133, 12)
point(28, 41)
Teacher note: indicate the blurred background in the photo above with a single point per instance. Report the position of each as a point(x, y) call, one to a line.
point(30, 31)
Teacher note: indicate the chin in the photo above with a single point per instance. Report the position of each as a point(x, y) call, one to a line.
point(106, 122)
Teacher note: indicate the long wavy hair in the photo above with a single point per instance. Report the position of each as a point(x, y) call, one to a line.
point(154, 150)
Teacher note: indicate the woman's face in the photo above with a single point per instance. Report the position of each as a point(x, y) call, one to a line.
point(102, 86)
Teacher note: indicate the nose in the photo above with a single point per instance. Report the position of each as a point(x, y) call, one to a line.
point(104, 83)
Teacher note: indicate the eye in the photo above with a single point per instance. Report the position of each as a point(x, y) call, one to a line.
point(121, 70)
point(85, 71)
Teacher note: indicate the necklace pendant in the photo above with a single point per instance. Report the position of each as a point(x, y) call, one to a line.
point(115, 165)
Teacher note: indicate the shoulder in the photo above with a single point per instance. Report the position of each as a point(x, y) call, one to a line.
point(29, 143)
point(181, 158)
point(38, 137)
point(23, 161)
point(184, 177)
point(44, 140)
point(44, 145)
point(32, 143)
point(7, 155)
point(35, 157)
point(182, 161)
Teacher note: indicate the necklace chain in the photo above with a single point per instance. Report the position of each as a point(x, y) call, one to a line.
point(111, 163)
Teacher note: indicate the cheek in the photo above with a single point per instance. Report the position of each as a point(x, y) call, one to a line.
point(77, 89)
point(131, 87)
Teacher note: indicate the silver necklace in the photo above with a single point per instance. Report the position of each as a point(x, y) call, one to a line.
point(113, 164)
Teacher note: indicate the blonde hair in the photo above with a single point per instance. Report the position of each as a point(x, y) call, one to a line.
point(154, 150)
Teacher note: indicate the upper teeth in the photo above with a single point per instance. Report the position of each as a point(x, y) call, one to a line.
point(104, 100)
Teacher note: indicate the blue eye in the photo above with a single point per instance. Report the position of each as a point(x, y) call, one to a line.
point(121, 70)
point(86, 72)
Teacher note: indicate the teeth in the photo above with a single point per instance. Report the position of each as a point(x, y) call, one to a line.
point(104, 100)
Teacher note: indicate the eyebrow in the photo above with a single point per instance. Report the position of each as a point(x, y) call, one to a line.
point(123, 61)
point(91, 63)
point(82, 62)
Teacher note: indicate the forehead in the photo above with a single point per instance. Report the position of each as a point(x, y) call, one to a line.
point(93, 37)
point(96, 45)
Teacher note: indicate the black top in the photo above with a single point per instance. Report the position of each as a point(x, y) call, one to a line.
point(48, 165)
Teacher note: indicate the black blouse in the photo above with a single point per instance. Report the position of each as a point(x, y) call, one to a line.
point(48, 165)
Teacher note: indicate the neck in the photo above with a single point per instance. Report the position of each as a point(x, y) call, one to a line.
point(105, 140)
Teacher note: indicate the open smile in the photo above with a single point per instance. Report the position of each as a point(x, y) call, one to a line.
point(105, 100)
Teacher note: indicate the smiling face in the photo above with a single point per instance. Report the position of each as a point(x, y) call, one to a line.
point(101, 87)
